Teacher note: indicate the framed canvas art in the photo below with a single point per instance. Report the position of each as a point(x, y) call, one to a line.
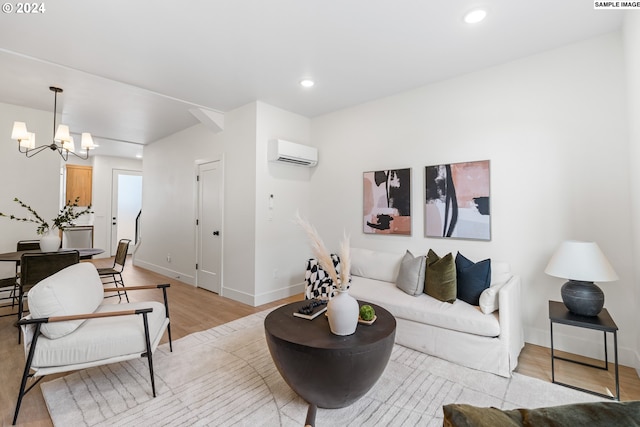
point(387, 202)
point(457, 201)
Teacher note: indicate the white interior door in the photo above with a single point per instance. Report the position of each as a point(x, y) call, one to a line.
point(209, 226)
point(126, 202)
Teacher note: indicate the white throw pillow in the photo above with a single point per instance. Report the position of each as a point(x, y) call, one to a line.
point(489, 298)
point(74, 290)
point(500, 272)
point(500, 275)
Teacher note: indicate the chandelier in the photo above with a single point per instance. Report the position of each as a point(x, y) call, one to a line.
point(62, 141)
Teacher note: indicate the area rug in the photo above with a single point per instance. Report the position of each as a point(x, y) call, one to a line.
point(225, 377)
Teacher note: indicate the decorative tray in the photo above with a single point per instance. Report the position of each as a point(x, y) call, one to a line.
point(367, 322)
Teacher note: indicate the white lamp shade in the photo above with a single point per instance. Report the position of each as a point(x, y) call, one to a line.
point(584, 261)
point(69, 145)
point(86, 143)
point(19, 131)
point(62, 134)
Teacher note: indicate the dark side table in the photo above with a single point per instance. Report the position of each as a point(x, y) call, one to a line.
point(326, 370)
point(559, 313)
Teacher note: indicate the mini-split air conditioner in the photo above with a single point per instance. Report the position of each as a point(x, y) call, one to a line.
point(282, 151)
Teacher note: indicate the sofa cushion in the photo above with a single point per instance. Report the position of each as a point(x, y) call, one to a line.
point(120, 335)
point(375, 265)
point(440, 278)
point(411, 275)
point(472, 278)
point(74, 290)
point(595, 414)
point(458, 316)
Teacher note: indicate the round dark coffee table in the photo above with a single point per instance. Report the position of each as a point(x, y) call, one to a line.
point(326, 370)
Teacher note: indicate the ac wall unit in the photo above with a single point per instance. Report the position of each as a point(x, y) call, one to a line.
point(292, 153)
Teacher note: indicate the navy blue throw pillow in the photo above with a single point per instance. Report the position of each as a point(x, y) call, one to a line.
point(472, 278)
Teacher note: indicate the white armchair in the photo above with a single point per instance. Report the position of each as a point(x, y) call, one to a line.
point(69, 327)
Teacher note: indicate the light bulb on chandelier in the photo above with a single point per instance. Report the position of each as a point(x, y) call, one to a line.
point(62, 140)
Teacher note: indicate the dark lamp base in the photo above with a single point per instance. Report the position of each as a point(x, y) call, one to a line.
point(582, 298)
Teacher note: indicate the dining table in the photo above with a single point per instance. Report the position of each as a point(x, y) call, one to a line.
point(85, 253)
point(15, 257)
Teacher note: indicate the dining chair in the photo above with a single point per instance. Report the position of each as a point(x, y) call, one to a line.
point(35, 267)
point(27, 245)
point(22, 245)
point(114, 274)
point(8, 292)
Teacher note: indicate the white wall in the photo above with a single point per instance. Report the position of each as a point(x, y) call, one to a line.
point(238, 230)
point(631, 41)
point(36, 180)
point(261, 247)
point(554, 127)
point(169, 201)
point(279, 266)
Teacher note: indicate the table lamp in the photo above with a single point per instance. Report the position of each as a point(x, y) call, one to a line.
point(582, 263)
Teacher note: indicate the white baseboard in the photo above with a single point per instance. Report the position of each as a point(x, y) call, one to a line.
point(263, 298)
point(186, 278)
point(277, 294)
point(236, 295)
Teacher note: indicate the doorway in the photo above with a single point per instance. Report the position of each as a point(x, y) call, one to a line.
point(126, 203)
point(209, 226)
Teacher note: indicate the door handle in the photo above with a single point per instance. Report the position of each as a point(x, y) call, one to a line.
point(216, 233)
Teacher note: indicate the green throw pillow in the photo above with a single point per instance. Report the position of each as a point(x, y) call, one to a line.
point(440, 279)
point(461, 415)
point(594, 414)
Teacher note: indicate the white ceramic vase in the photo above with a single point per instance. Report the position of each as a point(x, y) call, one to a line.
point(343, 311)
point(50, 241)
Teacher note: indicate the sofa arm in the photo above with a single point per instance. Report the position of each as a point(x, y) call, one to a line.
point(510, 316)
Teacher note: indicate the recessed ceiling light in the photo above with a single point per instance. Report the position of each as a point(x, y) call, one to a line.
point(475, 16)
point(138, 156)
point(307, 83)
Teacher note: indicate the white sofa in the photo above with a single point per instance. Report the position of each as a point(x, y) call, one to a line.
point(458, 332)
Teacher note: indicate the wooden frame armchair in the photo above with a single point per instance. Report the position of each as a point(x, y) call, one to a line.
point(70, 328)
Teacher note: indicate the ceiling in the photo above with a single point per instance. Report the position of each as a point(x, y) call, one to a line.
point(132, 70)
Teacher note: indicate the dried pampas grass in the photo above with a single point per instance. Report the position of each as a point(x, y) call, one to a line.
point(324, 257)
point(345, 262)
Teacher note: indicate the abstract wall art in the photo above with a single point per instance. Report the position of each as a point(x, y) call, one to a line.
point(387, 202)
point(457, 201)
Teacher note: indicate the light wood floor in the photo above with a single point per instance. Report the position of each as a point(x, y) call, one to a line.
point(193, 309)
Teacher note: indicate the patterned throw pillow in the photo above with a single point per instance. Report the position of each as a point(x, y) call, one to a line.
point(318, 282)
